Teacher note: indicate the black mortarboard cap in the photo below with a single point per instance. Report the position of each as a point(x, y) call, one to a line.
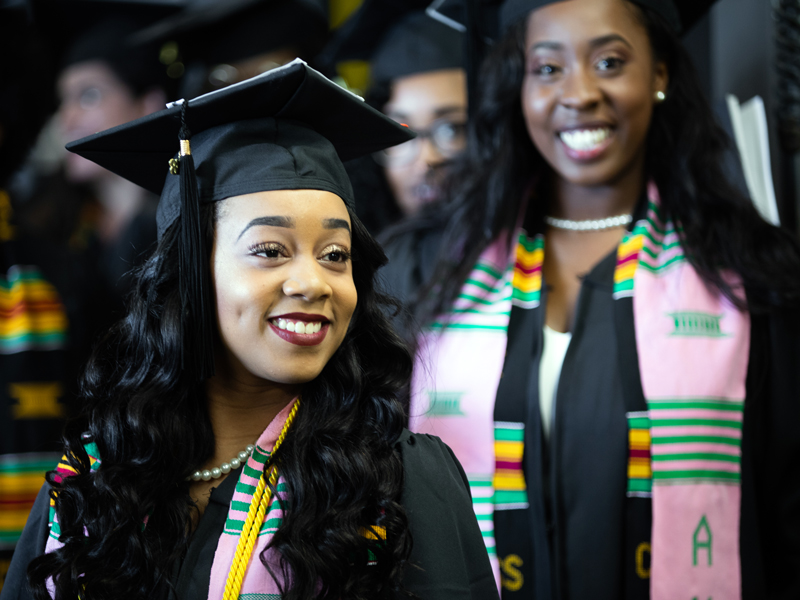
point(289, 128)
point(398, 39)
point(680, 14)
point(418, 44)
point(226, 31)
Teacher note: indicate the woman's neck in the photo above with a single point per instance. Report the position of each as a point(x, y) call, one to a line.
point(240, 411)
point(580, 202)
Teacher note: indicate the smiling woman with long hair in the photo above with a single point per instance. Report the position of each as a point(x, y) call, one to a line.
point(610, 329)
point(242, 436)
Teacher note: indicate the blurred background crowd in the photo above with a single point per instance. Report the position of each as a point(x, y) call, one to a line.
point(70, 232)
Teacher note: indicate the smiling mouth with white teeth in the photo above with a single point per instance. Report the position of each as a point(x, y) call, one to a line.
point(298, 326)
point(585, 140)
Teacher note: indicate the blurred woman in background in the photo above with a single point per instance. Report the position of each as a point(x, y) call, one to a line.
point(612, 332)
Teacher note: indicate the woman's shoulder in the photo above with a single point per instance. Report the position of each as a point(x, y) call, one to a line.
point(449, 560)
point(31, 544)
point(422, 449)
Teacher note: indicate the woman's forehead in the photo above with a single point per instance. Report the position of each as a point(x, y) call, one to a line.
point(295, 205)
point(574, 21)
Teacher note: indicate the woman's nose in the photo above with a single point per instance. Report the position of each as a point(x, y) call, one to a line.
point(68, 115)
point(428, 154)
point(306, 281)
point(579, 90)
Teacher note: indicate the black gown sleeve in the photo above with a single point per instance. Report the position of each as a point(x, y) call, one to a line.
point(30, 545)
point(770, 517)
point(449, 559)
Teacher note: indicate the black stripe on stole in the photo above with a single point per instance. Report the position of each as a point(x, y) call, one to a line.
point(638, 511)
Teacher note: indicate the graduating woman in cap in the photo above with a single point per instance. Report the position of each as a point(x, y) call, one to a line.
point(612, 331)
point(242, 433)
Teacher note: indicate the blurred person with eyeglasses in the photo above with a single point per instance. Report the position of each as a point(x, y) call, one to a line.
point(417, 79)
point(103, 79)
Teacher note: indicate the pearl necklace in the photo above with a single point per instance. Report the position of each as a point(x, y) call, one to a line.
point(224, 468)
point(590, 224)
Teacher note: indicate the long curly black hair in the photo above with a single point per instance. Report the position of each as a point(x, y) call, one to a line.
point(152, 429)
point(685, 147)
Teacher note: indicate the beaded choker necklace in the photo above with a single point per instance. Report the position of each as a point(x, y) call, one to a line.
point(590, 224)
point(224, 468)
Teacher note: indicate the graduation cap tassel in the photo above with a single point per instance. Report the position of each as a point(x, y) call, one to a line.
point(194, 278)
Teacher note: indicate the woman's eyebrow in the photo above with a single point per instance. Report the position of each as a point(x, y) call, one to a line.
point(546, 45)
point(443, 111)
point(269, 222)
point(336, 224)
point(593, 43)
point(607, 39)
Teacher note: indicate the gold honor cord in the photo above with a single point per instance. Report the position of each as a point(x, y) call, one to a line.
point(255, 517)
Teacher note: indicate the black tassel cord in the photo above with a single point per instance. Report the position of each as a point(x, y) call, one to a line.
point(193, 270)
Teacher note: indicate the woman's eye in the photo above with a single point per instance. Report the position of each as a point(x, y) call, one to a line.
point(268, 250)
point(545, 70)
point(610, 63)
point(337, 255)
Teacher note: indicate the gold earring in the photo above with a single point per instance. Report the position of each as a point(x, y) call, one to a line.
point(660, 96)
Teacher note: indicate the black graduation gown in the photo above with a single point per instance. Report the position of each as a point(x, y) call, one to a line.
point(579, 536)
point(448, 560)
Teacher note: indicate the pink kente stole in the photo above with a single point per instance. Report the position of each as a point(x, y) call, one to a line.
point(258, 584)
point(693, 349)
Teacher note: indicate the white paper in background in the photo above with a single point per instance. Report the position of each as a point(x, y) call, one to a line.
point(749, 122)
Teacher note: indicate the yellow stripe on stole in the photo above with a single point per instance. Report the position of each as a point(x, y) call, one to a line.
point(49, 321)
point(21, 484)
point(639, 439)
point(32, 291)
point(508, 451)
point(626, 271)
point(13, 519)
point(630, 246)
point(639, 468)
point(370, 533)
point(529, 259)
point(527, 283)
point(506, 479)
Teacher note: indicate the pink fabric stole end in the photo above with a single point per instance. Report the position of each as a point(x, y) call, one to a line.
point(257, 579)
point(693, 349)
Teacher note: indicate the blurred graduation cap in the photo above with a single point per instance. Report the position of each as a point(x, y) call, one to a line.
point(289, 128)
point(398, 38)
point(88, 30)
point(214, 32)
point(496, 16)
point(415, 43)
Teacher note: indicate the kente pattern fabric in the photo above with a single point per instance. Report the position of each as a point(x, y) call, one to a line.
point(256, 580)
point(33, 367)
point(31, 314)
point(258, 583)
point(21, 476)
point(693, 351)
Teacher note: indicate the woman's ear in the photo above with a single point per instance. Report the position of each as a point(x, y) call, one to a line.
point(660, 79)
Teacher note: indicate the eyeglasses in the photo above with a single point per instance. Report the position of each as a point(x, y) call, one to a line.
point(447, 137)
